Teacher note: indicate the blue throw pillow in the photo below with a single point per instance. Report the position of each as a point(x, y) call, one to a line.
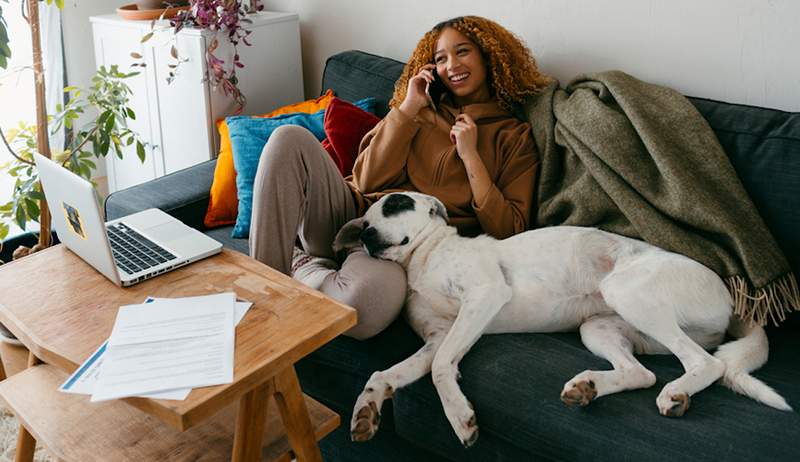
point(248, 137)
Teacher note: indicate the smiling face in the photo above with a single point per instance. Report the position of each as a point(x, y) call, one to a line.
point(393, 226)
point(461, 66)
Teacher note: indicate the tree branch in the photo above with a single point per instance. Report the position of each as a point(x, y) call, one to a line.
point(8, 146)
point(77, 148)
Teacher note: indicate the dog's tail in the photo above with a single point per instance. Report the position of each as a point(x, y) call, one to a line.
point(743, 355)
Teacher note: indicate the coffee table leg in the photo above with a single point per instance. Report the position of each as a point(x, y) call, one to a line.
point(294, 413)
point(26, 443)
point(250, 420)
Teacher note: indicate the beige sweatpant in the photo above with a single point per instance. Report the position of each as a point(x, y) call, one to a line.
point(298, 191)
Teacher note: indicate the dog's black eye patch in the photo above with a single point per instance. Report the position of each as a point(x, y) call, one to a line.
point(397, 203)
point(365, 225)
point(404, 241)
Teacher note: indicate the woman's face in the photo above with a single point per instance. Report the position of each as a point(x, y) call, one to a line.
point(460, 64)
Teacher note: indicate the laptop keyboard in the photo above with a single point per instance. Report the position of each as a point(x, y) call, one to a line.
point(134, 252)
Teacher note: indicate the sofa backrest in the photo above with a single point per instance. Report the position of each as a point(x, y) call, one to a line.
point(763, 144)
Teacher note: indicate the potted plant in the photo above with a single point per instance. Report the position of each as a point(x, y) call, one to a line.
point(227, 19)
point(107, 132)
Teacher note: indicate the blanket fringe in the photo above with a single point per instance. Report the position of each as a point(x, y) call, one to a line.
point(769, 303)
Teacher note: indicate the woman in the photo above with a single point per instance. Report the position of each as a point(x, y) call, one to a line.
point(471, 153)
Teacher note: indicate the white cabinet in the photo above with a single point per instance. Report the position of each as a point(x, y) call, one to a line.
point(177, 119)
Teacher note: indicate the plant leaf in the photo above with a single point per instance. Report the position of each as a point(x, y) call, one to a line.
point(140, 151)
point(135, 55)
point(146, 37)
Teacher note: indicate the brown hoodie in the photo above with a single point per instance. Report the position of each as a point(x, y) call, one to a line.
point(404, 154)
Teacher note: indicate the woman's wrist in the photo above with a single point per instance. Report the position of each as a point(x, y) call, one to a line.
point(470, 157)
point(408, 109)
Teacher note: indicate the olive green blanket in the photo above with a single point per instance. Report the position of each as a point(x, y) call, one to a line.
point(637, 159)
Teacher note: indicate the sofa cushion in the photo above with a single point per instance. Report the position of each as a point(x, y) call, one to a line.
point(222, 202)
point(764, 148)
point(355, 75)
point(248, 137)
point(345, 126)
point(514, 382)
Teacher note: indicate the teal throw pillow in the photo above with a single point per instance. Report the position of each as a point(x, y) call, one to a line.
point(248, 137)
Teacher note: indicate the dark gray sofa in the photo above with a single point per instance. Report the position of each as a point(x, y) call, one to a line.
point(514, 381)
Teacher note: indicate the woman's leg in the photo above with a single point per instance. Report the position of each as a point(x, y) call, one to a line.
point(375, 288)
point(297, 188)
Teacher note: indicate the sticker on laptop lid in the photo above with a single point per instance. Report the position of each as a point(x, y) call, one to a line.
point(74, 220)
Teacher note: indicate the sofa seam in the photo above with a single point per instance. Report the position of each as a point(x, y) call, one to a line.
point(738, 132)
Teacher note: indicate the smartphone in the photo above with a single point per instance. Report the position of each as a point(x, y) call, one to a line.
point(435, 90)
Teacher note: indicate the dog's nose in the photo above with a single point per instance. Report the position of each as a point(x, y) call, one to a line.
point(369, 235)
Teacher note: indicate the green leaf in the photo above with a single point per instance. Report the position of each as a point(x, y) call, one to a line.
point(109, 125)
point(19, 216)
point(146, 37)
point(131, 114)
point(3, 231)
point(36, 195)
point(33, 209)
point(140, 151)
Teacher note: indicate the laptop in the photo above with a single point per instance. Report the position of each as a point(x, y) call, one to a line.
point(127, 250)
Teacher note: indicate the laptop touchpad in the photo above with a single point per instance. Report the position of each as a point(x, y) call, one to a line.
point(167, 231)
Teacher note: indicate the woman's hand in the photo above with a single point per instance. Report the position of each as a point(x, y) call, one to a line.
point(464, 134)
point(416, 97)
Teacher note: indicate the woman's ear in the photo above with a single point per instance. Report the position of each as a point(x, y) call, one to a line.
point(348, 235)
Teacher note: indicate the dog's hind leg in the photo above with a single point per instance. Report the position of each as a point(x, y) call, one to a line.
point(613, 339)
point(649, 294)
point(382, 384)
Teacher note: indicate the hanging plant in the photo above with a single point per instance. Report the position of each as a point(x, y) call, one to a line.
point(226, 17)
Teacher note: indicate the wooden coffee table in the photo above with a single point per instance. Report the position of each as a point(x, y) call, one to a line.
point(62, 310)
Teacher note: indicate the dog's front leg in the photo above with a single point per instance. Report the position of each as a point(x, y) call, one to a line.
point(479, 306)
point(382, 384)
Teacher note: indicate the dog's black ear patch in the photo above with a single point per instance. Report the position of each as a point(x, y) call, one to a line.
point(397, 203)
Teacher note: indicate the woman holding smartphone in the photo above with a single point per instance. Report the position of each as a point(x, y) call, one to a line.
point(465, 148)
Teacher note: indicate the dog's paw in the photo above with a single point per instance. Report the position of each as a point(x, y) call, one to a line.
point(365, 422)
point(466, 427)
point(579, 393)
point(672, 405)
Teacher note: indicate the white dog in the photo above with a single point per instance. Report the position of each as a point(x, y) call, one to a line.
point(625, 296)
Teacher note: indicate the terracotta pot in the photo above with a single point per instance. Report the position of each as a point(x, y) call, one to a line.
point(149, 4)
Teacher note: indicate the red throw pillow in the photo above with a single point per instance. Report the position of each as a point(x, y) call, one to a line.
point(345, 125)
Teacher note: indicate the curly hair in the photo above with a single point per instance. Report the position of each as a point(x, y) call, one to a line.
point(512, 74)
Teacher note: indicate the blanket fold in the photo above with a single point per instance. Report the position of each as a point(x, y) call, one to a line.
point(638, 159)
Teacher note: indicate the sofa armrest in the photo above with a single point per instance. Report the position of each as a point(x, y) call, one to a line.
point(183, 194)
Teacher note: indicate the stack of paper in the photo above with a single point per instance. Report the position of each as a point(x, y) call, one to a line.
point(162, 349)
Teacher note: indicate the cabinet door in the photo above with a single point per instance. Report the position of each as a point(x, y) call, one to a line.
point(184, 108)
point(113, 46)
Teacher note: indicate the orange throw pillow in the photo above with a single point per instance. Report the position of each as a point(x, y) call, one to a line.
point(223, 205)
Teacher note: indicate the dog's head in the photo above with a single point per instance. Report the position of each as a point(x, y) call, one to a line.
point(393, 227)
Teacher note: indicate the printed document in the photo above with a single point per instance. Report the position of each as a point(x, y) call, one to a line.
point(83, 380)
point(169, 344)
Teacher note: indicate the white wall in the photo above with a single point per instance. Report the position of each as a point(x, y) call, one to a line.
point(79, 52)
point(743, 51)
